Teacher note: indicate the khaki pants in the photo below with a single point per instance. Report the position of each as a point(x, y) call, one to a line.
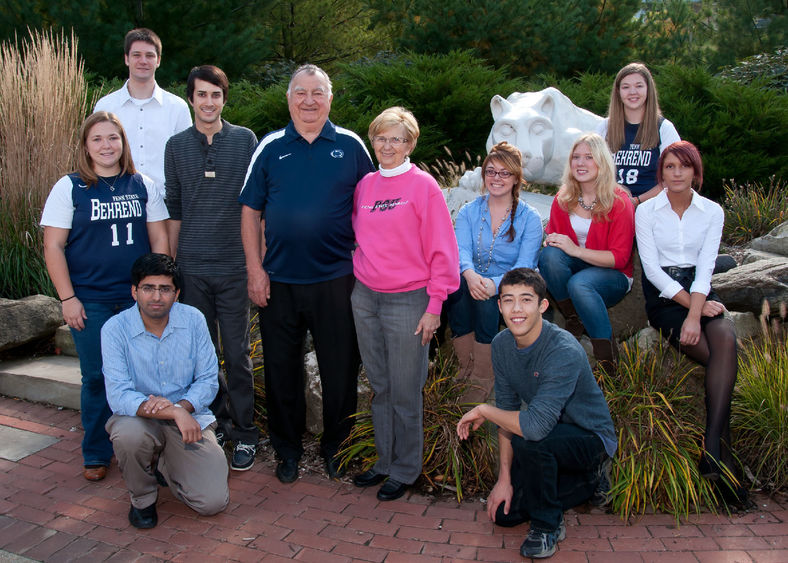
point(196, 473)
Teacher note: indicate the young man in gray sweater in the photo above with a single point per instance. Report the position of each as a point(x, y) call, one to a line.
point(205, 167)
point(555, 433)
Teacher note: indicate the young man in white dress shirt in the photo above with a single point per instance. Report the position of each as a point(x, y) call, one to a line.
point(149, 114)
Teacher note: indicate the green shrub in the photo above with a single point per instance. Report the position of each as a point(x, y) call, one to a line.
point(464, 467)
point(660, 431)
point(759, 412)
point(768, 69)
point(740, 130)
point(449, 95)
point(752, 210)
point(23, 271)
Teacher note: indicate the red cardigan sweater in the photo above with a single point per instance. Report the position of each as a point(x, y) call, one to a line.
point(615, 235)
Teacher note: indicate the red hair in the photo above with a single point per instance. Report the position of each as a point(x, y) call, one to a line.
point(688, 155)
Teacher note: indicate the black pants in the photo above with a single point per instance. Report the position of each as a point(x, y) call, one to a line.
point(552, 475)
point(224, 300)
point(324, 309)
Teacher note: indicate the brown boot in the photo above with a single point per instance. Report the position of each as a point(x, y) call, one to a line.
point(481, 380)
point(606, 354)
point(463, 347)
point(573, 323)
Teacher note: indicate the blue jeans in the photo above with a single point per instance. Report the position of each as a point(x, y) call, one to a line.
point(592, 289)
point(467, 314)
point(96, 447)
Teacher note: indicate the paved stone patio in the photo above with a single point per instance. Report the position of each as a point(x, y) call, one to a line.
point(48, 512)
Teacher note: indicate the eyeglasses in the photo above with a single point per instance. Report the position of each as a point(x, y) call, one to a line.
point(393, 141)
point(164, 290)
point(502, 174)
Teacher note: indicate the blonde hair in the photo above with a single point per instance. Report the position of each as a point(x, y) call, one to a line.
point(511, 159)
point(85, 163)
point(605, 183)
point(393, 116)
point(648, 130)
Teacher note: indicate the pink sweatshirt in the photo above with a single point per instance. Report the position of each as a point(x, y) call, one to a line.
point(405, 236)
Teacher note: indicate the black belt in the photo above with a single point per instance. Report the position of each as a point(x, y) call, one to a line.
point(677, 272)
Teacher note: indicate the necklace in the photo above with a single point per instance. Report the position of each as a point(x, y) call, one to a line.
point(112, 185)
point(582, 204)
point(479, 267)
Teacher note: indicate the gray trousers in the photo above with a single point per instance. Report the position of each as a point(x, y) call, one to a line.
point(396, 366)
point(196, 473)
point(224, 300)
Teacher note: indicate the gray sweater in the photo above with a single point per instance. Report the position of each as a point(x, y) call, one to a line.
point(550, 382)
point(202, 183)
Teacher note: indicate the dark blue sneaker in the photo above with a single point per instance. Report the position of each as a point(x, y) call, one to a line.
point(541, 543)
point(243, 456)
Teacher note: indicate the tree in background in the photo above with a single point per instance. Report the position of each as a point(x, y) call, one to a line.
point(324, 32)
point(222, 32)
point(251, 38)
point(528, 36)
point(742, 28)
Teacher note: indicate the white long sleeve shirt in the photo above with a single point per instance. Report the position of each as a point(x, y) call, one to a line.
point(664, 240)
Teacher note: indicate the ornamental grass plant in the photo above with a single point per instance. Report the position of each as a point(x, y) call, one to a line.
point(753, 209)
point(43, 100)
point(759, 412)
point(463, 467)
point(656, 401)
point(448, 171)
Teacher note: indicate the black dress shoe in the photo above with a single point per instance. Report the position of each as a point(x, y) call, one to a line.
point(334, 467)
point(143, 518)
point(392, 490)
point(287, 470)
point(368, 478)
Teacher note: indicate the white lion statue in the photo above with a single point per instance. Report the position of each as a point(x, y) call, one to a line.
point(543, 125)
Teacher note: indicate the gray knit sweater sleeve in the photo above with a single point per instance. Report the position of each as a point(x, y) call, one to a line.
point(550, 382)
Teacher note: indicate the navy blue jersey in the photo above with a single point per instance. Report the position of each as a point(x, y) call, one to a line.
point(108, 233)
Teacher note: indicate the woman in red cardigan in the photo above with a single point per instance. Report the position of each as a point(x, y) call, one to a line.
point(587, 259)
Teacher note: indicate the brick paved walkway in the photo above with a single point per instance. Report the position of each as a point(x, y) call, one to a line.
point(48, 512)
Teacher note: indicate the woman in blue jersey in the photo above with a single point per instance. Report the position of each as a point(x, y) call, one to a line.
point(636, 132)
point(97, 221)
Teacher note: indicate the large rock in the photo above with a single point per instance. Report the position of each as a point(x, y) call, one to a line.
point(751, 256)
point(776, 241)
point(28, 319)
point(744, 288)
point(747, 326)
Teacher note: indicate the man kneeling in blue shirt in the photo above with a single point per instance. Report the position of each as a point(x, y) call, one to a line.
point(160, 372)
point(554, 427)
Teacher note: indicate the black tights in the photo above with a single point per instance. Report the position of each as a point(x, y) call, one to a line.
point(716, 351)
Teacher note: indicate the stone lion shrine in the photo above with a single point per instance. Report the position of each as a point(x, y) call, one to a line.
point(543, 125)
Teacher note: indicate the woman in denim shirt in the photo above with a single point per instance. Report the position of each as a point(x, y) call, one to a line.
point(496, 232)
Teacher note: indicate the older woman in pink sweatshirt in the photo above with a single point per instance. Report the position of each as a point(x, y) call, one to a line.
point(406, 264)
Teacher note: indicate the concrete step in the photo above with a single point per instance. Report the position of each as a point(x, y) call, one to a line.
point(48, 379)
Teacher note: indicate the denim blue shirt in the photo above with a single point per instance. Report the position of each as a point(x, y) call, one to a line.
point(180, 365)
point(522, 252)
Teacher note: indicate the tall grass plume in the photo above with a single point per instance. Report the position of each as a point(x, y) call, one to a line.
point(43, 100)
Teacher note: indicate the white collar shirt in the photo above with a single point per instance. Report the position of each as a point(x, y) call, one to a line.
point(665, 239)
point(148, 126)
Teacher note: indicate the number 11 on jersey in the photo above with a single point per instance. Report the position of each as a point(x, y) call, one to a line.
point(129, 237)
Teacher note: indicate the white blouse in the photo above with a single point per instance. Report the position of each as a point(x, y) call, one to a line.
point(664, 239)
point(581, 226)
